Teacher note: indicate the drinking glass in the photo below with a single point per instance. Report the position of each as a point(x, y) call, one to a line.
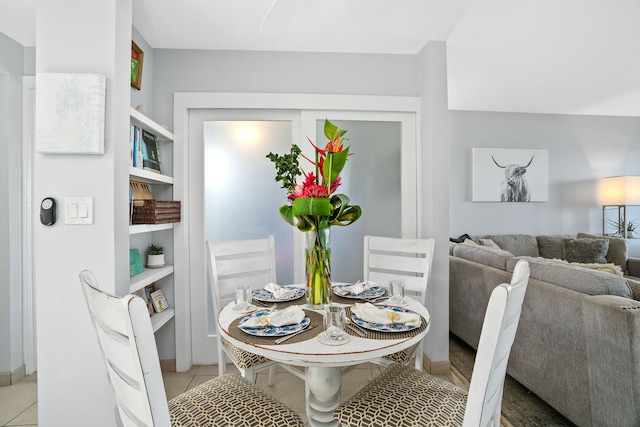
point(335, 319)
point(396, 292)
point(243, 298)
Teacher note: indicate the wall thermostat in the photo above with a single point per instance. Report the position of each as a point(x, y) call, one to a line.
point(48, 211)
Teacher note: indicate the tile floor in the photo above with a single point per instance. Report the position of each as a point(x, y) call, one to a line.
point(18, 402)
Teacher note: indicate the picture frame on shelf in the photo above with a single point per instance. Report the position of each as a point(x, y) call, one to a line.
point(137, 59)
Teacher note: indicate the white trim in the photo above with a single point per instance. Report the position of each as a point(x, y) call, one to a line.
point(28, 290)
point(183, 102)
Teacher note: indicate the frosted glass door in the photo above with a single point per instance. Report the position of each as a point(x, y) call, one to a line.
point(241, 195)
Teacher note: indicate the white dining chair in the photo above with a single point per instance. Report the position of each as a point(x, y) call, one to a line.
point(127, 342)
point(409, 260)
point(402, 396)
point(236, 263)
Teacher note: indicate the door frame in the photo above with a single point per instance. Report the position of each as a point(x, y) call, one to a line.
point(29, 347)
point(184, 102)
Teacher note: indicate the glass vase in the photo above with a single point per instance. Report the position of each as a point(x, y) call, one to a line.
point(318, 268)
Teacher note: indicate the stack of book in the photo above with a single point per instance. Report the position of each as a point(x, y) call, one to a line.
point(143, 146)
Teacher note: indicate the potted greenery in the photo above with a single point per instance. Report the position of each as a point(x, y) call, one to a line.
point(619, 227)
point(155, 256)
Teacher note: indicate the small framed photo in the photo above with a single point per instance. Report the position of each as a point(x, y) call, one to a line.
point(137, 57)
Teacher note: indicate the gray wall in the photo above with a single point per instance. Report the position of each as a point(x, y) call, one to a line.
point(11, 72)
point(582, 150)
point(277, 72)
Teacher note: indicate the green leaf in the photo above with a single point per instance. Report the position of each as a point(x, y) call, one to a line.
point(332, 131)
point(334, 162)
point(343, 214)
point(286, 212)
point(312, 206)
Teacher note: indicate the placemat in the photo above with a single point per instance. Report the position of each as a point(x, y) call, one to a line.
point(314, 317)
point(392, 335)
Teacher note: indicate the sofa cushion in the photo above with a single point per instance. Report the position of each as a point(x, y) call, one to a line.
point(617, 252)
point(517, 244)
point(585, 250)
point(579, 279)
point(496, 258)
point(551, 246)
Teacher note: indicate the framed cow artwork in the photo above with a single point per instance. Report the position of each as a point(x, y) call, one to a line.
point(510, 175)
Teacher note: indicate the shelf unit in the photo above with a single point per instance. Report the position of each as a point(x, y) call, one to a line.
point(140, 235)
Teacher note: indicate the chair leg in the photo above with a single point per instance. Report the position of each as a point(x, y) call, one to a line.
point(272, 373)
point(249, 374)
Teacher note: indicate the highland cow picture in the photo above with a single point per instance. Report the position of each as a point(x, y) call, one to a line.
point(510, 175)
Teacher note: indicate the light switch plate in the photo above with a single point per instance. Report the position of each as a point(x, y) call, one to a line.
point(78, 210)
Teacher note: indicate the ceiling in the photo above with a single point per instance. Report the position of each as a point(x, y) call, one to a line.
point(540, 56)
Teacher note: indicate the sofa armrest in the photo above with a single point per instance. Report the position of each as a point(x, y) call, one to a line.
point(633, 267)
point(612, 326)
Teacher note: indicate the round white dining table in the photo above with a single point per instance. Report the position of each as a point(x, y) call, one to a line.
point(322, 363)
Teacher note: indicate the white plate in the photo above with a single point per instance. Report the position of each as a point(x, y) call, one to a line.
point(266, 296)
point(403, 303)
point(322, 337)
point(379, 327)
point(249, 309)
point(272, 331)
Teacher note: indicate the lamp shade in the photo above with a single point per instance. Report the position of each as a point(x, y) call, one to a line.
point(620, 190)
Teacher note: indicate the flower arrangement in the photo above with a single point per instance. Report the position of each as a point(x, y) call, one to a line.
point(314, 205)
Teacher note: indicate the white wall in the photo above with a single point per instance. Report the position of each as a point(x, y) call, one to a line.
point(72, 382)
point(11, 58)
point(582, 150)
point(432, 77)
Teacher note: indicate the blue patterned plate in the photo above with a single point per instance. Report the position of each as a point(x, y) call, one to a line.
point(266, 296)
point(272, 331)
point(372, 292)
point(379, 327)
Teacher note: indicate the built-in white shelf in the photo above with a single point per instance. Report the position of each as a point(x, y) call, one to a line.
point(149, 276)
point(145, 122)
point(148, 228)
point(141, 175)
point(158, 320)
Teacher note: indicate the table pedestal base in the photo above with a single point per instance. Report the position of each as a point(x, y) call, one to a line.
point(323, 395)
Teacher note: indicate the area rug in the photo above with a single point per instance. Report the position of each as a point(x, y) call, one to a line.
point(520, 407)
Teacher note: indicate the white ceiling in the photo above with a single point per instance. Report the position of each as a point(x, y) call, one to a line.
point(543, 56)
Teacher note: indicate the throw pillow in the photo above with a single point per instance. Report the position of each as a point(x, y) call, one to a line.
point(585, 250)
point(635, 288)
point(488, 242)
point(551, 246)
point(617, 253)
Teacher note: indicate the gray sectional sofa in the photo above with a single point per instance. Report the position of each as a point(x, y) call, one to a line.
point(578, 341)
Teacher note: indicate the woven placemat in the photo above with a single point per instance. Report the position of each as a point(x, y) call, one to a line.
point(377, 335)
point(239, 334)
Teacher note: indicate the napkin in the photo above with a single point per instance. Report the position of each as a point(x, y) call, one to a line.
point(279, 292)
point(355, 289)
point(370, 313)
point(292, 315)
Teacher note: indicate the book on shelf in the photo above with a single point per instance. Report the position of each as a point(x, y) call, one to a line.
point(150, 152)
point(159, 301)
point(135, 147)
point(145, 294)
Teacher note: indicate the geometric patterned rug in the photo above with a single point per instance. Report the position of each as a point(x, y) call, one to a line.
point(520, 407)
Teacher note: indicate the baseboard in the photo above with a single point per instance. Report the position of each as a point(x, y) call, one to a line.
point(8, 378)
point(440, 367)
point(168, 365)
